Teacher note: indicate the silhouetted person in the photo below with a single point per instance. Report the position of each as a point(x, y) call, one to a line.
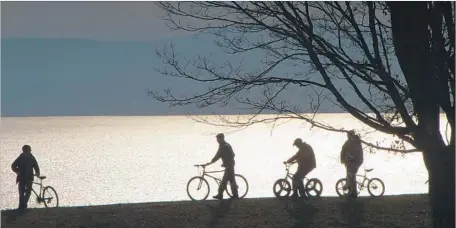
point(305, 158)
point(225, 152)
point(352, 157)
point(23, 166)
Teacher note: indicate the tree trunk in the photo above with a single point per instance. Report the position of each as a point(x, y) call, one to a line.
point(440, 164)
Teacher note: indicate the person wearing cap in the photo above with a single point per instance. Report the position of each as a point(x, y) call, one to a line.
point(305, 157)
point(226, 153)
point(23, 166)
point(351, 156)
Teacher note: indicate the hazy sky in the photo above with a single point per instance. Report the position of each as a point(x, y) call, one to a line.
point(77, 76)
point(95, 58)
point(104, 21)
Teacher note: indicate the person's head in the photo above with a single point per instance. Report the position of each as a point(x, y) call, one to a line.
point(298, 142)
point(220, 137)
point(26, 148)
point(351, 134)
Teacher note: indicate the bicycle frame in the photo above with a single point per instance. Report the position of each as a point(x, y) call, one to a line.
point(41, 188)
point(362, 184)
point(216, 179)
point(40, 196)
point(206, 174)
point(290, 175)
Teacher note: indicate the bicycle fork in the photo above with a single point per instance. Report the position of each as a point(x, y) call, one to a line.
point(200, 184)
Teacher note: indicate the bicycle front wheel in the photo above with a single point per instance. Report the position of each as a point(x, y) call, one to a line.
point(281, 188)
point(198, 188)
point(341, 187)
point(50, 197)
point(242, 186)
point(375, 187)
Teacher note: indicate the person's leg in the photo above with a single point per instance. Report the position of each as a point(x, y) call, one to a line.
point(21, 189)
point(231, 178)
point(222, 186)
point(302, 189)
point(28, 191)
point(297, 183)
point(354, 171)
point(351, 169)
point(347, 175)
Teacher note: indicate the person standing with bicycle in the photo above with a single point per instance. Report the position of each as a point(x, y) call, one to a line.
point(305, 157)
point(226, 153)
point(23, 166)
point(351, 156)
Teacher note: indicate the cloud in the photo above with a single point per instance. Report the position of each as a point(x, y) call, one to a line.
point(104, 21)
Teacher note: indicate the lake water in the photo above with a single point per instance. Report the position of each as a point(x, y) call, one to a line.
point(107, 160)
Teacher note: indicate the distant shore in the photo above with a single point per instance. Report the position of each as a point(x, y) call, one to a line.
point(157, 115)
point(387, 211)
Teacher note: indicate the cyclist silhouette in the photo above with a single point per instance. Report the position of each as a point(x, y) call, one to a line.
point(23, 166)
point(225, 152)
point(305, 158)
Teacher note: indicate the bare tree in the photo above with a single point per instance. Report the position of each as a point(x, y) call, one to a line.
point(396, 59)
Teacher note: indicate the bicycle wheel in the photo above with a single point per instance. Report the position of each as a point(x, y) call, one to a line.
point(341, 189)
point(242, 186)
point(50, 197)
point(281, 188)
point(314, 187)
point(198, 188)
point(375, 187)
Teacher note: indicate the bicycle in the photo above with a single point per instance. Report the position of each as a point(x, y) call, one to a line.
point(46, 195)
point(372, 184)
point(202, 182)
point(282, 186)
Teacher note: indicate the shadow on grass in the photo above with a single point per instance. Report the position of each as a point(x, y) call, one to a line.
point(352, 211)
point(31, 218)
point(12, 215)
point(301, 211)
point(219, 211)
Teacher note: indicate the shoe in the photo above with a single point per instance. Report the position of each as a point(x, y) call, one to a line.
point(353, 195)
point(346, 187)
point(235, 197)
point(219, 197)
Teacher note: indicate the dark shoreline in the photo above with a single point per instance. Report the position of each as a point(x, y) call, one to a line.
point(387, 211)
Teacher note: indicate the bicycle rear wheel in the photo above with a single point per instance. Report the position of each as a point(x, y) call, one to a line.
point(50, 197)
point(198, 188)
point(314, 187)
point(375, 187)
point(242, 186)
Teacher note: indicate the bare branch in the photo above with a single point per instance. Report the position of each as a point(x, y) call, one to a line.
point(345, 53)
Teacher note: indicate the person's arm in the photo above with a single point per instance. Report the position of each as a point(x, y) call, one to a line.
point(292, 159)
point(216, 157)
point(15, 166)
point(343, 153)
point(36, 167)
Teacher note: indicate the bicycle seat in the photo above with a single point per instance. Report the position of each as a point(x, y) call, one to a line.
point(42, 177)
point(368, 170)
